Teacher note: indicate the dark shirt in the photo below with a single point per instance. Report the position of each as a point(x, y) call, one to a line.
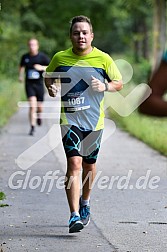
point(28, 61)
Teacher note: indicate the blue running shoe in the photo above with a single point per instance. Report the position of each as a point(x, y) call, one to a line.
point(84, 212)
point(75, 224)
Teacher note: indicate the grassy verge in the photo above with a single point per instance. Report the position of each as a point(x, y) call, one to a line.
point(150, 130)
point(11, 91)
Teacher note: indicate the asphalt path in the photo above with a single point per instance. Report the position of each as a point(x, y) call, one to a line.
point(128, 201)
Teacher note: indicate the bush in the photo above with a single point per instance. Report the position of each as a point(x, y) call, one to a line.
point(142, 71)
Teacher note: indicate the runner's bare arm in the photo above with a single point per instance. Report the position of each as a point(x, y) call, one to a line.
point(21, 73)
point(112, 86)
point(39, 67)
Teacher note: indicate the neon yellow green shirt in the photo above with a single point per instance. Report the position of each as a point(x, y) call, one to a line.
point(81, 106)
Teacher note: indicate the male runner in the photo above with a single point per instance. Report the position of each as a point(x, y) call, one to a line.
point(33, 63)
point(85, 73)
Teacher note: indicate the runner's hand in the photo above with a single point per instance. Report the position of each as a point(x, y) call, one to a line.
point(97, 85)
point(21, 78)
point(52, 89)
point(39, 67)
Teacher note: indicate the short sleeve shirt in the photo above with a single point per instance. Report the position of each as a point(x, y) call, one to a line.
point(81, 105)
point(28, 61)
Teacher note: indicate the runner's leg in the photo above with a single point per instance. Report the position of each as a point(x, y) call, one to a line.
point(92, 146)
point(32, 110)
point(39, 111)
point(73, 182)
point(88, 175)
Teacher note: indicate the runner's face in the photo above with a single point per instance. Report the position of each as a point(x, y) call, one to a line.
point(81, 38)
point(33, 46)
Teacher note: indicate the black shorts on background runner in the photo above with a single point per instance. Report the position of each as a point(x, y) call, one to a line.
point(82, 143)
point(35, 89)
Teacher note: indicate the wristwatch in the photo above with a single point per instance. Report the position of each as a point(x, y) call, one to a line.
point(107, 87)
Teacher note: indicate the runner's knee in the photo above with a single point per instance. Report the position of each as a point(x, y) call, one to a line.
point(74, 164)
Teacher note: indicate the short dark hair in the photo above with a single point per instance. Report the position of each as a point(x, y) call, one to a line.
point(80, 18)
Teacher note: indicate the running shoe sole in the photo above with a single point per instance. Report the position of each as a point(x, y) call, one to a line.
point(76, 227)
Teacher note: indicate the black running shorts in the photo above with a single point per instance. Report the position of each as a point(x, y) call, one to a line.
point(34, 89)
point(77, 142)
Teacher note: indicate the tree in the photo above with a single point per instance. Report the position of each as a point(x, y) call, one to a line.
point(159, 32)
point(140, 19)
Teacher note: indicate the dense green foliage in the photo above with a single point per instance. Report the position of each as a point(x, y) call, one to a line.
point(119, 26)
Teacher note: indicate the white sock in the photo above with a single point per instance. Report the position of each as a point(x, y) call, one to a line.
point(85, 202)
point(75, 214)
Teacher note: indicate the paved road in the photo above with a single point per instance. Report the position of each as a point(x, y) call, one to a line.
point(128, 203)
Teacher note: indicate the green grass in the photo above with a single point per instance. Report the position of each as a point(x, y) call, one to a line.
point(150, 130)
point(11, 91)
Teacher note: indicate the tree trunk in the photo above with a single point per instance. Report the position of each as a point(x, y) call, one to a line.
point(159, 32)
point(145, 49)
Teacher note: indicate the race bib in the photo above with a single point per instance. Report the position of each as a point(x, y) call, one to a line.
point(76, 102)
point(33, 74)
